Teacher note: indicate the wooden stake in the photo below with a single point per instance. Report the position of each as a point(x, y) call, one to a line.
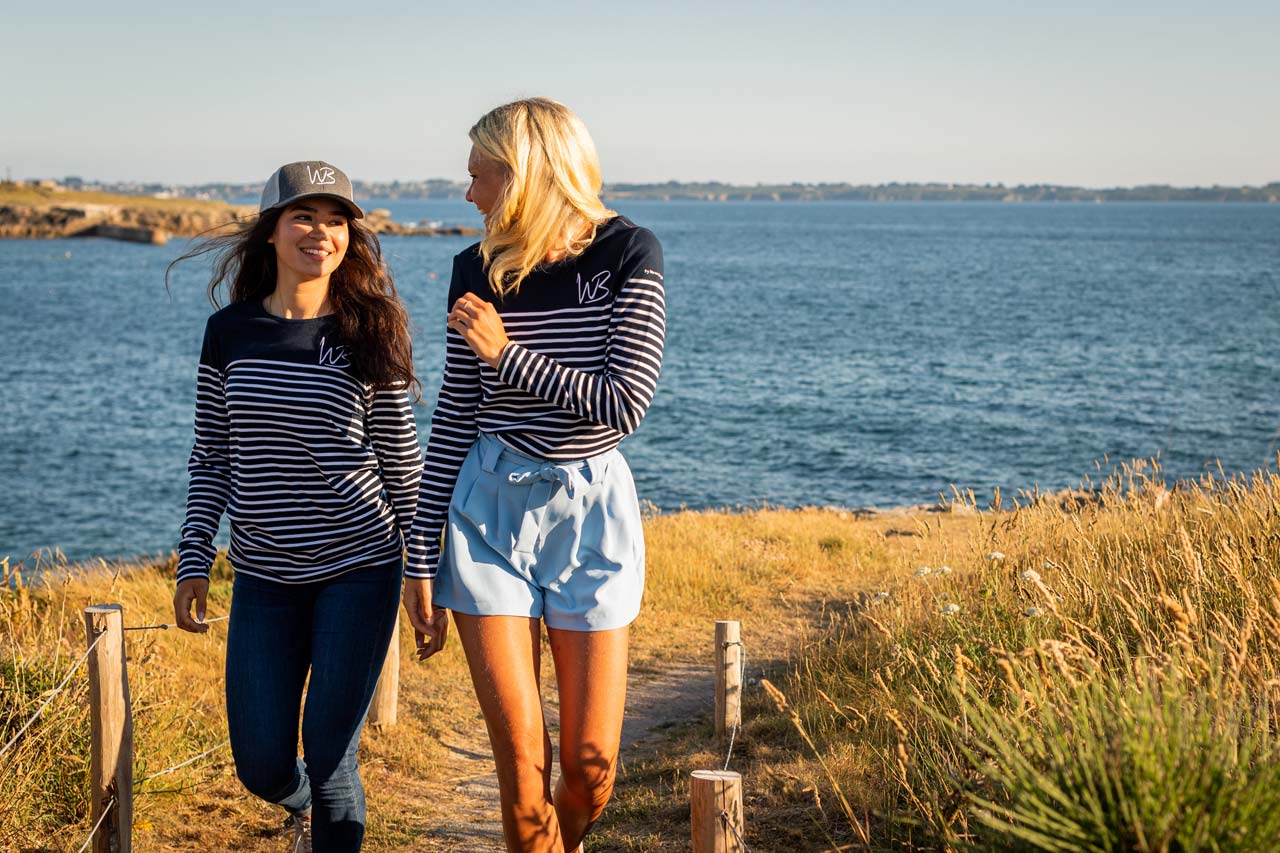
point(728, 678)
point(383, 707)
point(715, 809)
point(111, 761)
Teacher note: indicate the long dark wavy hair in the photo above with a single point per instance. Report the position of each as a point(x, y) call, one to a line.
point(371, 320)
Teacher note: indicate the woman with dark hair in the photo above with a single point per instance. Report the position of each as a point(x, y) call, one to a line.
point(528, 515)
point(305, 439)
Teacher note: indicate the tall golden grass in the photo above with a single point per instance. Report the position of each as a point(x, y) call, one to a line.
point(1093, 671)
point(771, 569)
point(176, 680)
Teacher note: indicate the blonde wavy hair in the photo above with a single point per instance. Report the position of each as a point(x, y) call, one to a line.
point(550, 201)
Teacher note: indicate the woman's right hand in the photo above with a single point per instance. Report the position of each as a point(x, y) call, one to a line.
point(191, 590)
point(430, 624)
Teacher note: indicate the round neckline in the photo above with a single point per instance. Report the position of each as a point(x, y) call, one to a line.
point(262, 309)
point(552, 266)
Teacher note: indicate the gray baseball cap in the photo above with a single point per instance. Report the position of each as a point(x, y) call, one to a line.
point(305, 179)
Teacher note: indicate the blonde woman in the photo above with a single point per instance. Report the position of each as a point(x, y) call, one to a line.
point(554, 344)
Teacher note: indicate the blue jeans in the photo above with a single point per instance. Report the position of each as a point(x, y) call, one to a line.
point(338, 629)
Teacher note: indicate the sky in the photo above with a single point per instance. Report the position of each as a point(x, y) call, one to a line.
point(1086, 93)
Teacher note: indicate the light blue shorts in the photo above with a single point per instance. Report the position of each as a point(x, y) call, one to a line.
point(560, 541)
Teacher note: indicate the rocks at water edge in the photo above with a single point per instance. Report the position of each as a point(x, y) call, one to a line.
point(119, 222)
point(153, 224)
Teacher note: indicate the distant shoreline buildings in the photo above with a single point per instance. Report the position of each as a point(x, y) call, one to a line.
point(438, 188)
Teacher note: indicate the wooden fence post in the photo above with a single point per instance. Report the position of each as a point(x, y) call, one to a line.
point(715, 810)
point(111, 761)
point(728, 678)
point(383, 707)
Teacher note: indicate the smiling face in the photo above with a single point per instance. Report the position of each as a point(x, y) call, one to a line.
point(487, 180)
point(311, 240)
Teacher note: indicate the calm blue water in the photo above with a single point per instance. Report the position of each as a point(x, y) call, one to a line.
point(841, 353)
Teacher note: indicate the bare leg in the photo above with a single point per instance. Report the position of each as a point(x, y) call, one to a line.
point(504, 655)
point(591, 669)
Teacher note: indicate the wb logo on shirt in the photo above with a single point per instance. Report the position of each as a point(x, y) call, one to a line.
point(321, 176)
point(593, 290)
point(334, 356)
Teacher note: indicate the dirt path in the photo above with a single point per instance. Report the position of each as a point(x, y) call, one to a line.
point(655, 701)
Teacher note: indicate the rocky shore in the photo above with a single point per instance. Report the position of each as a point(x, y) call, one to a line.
point(153, 221)
point(116, 221)
point(379, 221)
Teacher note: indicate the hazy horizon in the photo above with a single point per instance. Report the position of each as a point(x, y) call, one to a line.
point(356, 179)
point(1097, 95)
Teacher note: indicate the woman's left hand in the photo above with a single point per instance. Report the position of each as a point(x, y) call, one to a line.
point(480, 326)
point(430, 623)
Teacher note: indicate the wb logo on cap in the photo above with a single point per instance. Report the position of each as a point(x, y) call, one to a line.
point(304, 179)
point(321, 176)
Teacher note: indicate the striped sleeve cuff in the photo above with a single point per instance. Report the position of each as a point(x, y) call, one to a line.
point(422, 555)
point(192, 565)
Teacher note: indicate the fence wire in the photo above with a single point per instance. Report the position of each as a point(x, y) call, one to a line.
point(62, 685)
point(728, 821)
point(53, 694)
point(742, 682)
point(733, 736)
point(111, 803)
point(191, 760)
point(173, 625)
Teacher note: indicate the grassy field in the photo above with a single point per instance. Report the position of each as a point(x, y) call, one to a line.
point(771, 569)
point(177, 698)
point(1092, 671)
point(33, 196)
point(1087, 671)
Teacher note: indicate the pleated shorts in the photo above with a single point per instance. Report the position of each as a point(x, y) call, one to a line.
point(561, 541)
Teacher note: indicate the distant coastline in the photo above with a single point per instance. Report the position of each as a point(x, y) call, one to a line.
point(939, 192)
point(49, 210)
point(718, 191)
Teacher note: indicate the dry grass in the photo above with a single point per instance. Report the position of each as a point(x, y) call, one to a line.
point(177, 698)
point(1090, 671)
point(33, 196)
point(791, 577)
point(1099, 668)
point(777, 571)
point(1098, 673)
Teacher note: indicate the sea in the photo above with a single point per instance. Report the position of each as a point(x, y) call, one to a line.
point(833, 354)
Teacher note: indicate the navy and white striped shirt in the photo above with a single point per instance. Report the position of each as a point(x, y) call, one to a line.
point(579, 373)
point(317, 471)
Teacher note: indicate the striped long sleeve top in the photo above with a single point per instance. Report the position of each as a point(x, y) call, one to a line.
point(586, 337)
point(317, 471)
